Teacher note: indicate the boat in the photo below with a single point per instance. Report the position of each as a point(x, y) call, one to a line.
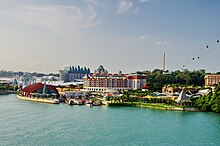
point(89, 103)
point(96, 104)
point(77, 102)
point(69, 101)
point(61, 99)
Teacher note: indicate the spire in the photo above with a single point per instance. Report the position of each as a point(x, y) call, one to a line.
point(164, 59)
point(44, 89)
point(15, 82)
point(24, 83)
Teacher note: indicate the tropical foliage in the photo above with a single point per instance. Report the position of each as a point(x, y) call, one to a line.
point(6, 87)
point(4, 73)
point(156, 79)
point(138, 93)
point(211, 102)
point(128, 97)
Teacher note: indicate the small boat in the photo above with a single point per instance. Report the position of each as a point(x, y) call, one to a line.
point(77, 102)
point(89, 104)
point(61, 99)
point(96, 104)
point(69, 101)
point(56, 101)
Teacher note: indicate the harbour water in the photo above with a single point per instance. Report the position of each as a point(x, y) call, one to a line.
point(30, 123)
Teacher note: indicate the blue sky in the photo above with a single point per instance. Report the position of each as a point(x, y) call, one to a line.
point(127, 35)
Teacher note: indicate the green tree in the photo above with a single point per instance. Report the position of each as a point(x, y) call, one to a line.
point(211, 102)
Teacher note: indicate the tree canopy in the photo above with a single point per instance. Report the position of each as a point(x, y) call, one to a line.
point(157, 79)
point(211, 102)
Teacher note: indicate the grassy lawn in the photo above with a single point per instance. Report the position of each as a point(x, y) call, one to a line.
point(148, 105)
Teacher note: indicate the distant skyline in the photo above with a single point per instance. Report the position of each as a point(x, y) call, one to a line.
point(127, 35)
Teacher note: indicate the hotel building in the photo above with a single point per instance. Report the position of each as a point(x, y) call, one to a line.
point(101, 81)
point(211, 79)
point(72, 73)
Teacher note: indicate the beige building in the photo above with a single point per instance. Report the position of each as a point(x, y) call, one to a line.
point(212, 79)
point(102, 81)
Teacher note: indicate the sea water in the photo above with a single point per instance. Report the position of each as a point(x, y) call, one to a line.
point(31, 123)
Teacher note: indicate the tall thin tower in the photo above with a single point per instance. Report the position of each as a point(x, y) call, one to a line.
point(164, 60)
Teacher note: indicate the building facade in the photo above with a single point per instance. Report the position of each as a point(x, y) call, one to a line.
point(101, 81)
point(211, 79)
point(72, 73)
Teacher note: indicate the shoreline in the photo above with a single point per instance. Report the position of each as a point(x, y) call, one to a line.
point(118, 104)
point(154, 106)
point(37, 100)
point(6, 92)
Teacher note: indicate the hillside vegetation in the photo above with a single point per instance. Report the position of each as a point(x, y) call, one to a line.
point(211, 102)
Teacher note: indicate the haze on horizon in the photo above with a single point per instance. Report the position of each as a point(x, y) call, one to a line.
point(127, 35)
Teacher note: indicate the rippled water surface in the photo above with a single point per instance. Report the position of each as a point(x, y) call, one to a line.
point(29, 123)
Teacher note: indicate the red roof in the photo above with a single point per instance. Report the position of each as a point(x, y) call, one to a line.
point(33, 87)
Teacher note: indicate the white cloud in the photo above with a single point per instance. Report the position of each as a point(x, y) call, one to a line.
point(162, 43)
point(92, 17)
point(147, 38)
point(125, 6)
point(95, 2)
point(91, 11)
point(129, 6)
point(59, 19)
point(142, 37)
point(148, 1)
point(143, 1)
point(139, 39)
point(36, 64)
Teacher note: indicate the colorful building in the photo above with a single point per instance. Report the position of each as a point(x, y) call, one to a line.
point(39, 92)
point(211, 79)
point(101, 81)
point(39, 88)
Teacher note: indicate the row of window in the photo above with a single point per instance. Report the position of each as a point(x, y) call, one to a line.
point(103, 89)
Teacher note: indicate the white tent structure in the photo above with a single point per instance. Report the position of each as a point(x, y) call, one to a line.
point(182, 97)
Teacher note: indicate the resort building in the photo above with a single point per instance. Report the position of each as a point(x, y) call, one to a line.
point(167, 89)
point(102, 81)
point(211, 80)
point(72, 73)
point(171, 90)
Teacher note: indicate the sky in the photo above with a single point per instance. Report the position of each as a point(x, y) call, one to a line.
point(127, 35)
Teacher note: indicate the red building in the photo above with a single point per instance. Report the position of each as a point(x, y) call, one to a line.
point(39, 88)
point(101, 80)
